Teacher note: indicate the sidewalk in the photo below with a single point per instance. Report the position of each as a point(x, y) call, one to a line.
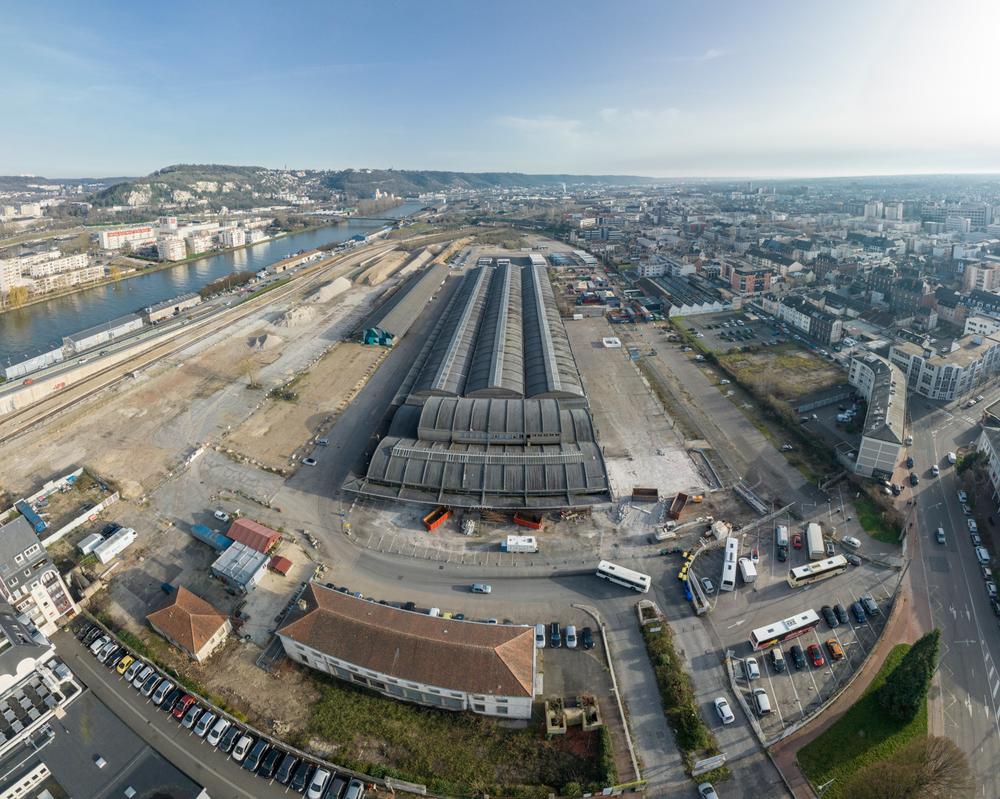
point(904, 627)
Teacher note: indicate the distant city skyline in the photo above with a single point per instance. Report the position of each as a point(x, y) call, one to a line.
point(710, 90)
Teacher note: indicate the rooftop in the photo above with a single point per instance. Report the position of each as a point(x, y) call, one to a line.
point(187, 619)
point(476, 658)
point(254, 534)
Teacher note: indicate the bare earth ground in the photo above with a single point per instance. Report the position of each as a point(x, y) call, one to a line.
point(786, 372)
point(273, 433)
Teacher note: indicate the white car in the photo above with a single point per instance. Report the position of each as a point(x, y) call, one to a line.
point(963, 497)
point(570, 636)
point(481, 588)
point(751, 668)
point(222, 516)
point(973, 527)
point(217, 731)
point(539, 636)
point(142, 676)
point(309, 461)
point(707, 586)
point(852, 542)
point(706, 791)
point(724, 711)
point(935, 470)
point(318, 784)
point(204, 724)
point(242, 747)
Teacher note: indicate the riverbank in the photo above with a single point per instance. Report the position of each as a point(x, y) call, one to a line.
point(160, 266)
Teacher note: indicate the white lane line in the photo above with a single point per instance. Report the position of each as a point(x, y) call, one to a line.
point(996, 687)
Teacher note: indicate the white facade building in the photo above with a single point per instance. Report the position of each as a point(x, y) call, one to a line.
point(233, 237)
point(414, 657)
point(981, 325)
point(171, 248)
point(968, 366)
point(200, 242)
point(137, 236)
point(884, 388)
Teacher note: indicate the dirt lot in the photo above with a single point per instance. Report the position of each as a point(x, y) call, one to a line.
point(279, 428)
point(785, 371)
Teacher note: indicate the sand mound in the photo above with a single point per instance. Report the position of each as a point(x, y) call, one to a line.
point(330, 290)
point(265, 341)
point(295, 317)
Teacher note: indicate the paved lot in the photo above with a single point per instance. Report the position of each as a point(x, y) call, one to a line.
point(638, 439)
point(723, 332)
point(795, 694)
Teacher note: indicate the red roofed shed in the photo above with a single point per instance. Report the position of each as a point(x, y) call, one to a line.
point(254, 535)
point(280, 564)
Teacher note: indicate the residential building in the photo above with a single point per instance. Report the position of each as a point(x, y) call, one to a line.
point(199, 242)
point(883, 386)
point(135, 237)
point(750, 280)
point(53, 263)
point(989, 443)
point(981, 276)
point(977, 325)
point(414, 657)
point(233, 237)
point(171, 248)
point(191, 624)
point(966, 366)
point(30, 581)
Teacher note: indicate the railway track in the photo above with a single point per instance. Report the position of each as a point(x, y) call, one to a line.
point(22, 420)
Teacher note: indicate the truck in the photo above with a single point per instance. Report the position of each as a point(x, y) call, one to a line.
point(677, 505)
point(747, 570)
point(814, 541)
point(781, 536)
point(37, 523)
point(519, 543)
point(436, 517)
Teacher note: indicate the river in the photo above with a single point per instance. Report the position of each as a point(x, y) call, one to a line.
point(35, 326)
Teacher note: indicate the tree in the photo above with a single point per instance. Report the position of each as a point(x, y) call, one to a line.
point(115, 273)
point(926, 768)
point(17, 296)
point(973, 461)
point(904, 690)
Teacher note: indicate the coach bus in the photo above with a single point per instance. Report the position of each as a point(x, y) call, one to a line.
point(792, 627)
point(814, 572)
point(637, 581)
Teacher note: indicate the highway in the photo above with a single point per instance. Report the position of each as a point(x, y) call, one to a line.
point(949, 581)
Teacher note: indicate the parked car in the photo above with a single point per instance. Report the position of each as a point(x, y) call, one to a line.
point(707, 586)
point(106, 651)
point(309, 461)
point(935, 470)
point(205, 723)
point(555, 636)
point(762, 701)
point(831, 550)
point(725, 712)
point(270, 763)
point(835, 649)
point(171, 700)
point(229, 738)
point(587, 638)
point(706, 791)
point(858, 612)
point(481, 588)
point(939, 535)
point(782, 553)
point(218, 730)
point(816, 655)
point(191, 716)
point(851, 541)
point(255, 755)
point(751, 669)
point(161, 692)
point(797, 541)
point(113, 661)
point(125, 664)
point(142, 676)
point(300, 779)
point(243, 745)
point(182, 707)
point(323, 442)
point(909, 462)
point(840, 613)
point(914, 480)
point(829, 616)
point(539, 636)
point(355, 790)
point(150, 685)
point(854, 560)
point(132, 670)
point(798, 658)
point(318, 784)
point(287, 768)
point(571, 636)
point(976, 540)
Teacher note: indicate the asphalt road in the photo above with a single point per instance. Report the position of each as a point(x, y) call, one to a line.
point(949, 579)
point(222, 777)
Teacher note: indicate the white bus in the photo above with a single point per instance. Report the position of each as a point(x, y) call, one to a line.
point(637, 581)
point(732, 550)
point(814, 572)
point(728, 581)
point(792, 627)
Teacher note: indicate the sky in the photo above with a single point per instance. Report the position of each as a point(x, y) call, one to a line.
point(664, 89)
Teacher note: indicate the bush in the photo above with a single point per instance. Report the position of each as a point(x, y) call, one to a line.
point(905, 689)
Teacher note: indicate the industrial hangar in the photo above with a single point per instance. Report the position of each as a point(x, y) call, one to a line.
point(495, 415)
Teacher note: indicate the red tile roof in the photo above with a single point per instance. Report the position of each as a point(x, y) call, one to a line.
point(253, 534)
point(495, 659)
point(280, 564)
point(187, 620)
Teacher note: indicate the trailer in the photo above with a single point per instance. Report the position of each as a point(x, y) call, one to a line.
point(532, 521)
point(28, 512)
point(814, 541)
point(213, 538)
point(436, 517)
point(519, 543)
point(677, 505)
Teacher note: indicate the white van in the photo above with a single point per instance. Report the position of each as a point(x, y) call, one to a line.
point(952, 457)
point(983, 555)
point(851, 541)
point(762, 702)
point(747, 570)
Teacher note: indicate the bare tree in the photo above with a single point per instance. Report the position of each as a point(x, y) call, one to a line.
point(927, 768)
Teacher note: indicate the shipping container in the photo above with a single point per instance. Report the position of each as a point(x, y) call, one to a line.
point(436, 518)
point(213, 538)
point(108, 549)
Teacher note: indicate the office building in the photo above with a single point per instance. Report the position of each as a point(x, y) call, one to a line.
point(948, 374)
point(135, 237)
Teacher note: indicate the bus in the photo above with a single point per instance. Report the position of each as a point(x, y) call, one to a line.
point(814, 572)
point(784, 630)
point(637, 581)
point(728, 581)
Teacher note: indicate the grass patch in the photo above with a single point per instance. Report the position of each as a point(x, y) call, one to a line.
point(872, 519)
point(692, 735)
point(456, 753)
point(865, 734)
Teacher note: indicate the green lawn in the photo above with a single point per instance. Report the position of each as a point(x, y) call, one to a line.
point(870, 518)
point(455, 753)
point(865, 734)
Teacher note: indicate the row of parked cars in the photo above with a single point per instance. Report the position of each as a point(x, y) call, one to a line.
point(253, 753)
point(557, 639)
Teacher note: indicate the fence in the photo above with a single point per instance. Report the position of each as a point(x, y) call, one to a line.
point(87, 516)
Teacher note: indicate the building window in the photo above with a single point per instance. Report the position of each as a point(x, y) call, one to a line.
point(19, 559)
point(479, 707)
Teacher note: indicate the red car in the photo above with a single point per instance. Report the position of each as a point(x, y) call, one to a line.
point(816, 655)
point(182, 707)
point(797, 541)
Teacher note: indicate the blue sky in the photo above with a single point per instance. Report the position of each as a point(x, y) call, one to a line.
point(657, 88)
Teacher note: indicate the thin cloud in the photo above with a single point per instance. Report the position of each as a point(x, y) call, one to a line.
point(542, 124)
point(709, 55)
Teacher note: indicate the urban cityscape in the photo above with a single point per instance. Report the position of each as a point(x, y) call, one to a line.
point(589, 402)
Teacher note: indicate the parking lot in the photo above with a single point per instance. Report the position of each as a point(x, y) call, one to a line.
point(726, 332)
point(795, 693)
